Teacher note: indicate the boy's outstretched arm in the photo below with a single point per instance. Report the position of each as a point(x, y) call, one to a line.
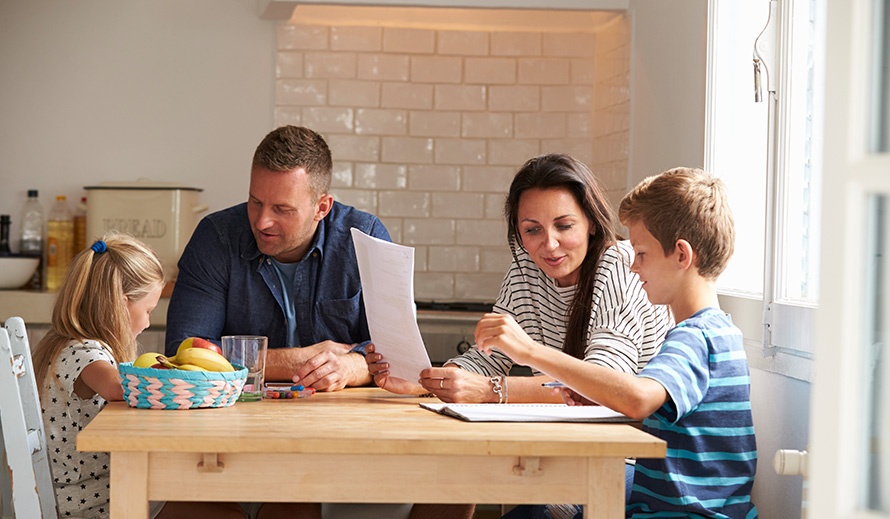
point(633, 396)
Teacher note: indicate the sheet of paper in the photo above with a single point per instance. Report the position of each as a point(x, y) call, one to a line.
point(387, 273)
point(527, 412)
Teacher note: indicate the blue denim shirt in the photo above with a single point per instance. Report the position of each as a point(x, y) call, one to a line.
point(226, 286)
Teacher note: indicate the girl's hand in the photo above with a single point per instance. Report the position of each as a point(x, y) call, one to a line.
point(503, 332)
point(380, 372)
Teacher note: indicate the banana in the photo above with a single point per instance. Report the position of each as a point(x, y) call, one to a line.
point(190, 367)
point(205, 359)
point(146, 360)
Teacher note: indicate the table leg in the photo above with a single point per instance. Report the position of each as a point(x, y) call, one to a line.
point(605, 494)
point(129, 485)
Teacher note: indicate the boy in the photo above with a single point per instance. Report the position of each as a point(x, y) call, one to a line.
point(694, 393)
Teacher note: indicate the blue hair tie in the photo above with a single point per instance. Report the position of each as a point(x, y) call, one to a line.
point(99, 247)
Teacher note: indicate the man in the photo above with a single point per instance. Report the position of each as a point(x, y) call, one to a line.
point(281, 265)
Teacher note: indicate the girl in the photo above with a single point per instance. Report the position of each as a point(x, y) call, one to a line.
point(104, 302)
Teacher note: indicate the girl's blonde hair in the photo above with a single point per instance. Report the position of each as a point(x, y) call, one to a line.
point(92, 300)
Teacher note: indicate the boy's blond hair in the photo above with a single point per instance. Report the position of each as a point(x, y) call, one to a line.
point(685, 204)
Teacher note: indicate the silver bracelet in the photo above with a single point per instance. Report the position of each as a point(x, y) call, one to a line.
point(498, 388)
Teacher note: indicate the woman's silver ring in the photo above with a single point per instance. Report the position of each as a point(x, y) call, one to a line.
point(441, 383)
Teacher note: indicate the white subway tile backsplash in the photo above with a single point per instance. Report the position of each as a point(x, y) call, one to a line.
point(409, 41)
point(540, 125)
point(493, 179)
point(381, 122)
point(478, 287)
point(328, 120)
point(505, 43)
point(421, 253)
point(434, 124)
point(354, 147)
point(480, 232)
point(364, 39)
point(289, 65)
point(462, 43)
point(354, 93)
point(581, 149)
point(496, 260)
point(341, 176)
point(458, 205)
point(362, 199)
point(381, 176)
point(407, 95)
point(486, 125)
point(394, 228)
point(406, 204)
point(570, 44)
point(490, 71)
point(453, 259)
point(434, 286)
point(383, 67)
point(459, 97)
point(324, 65)
point(582, 71)
point(302, 37)
point(407, 150)
point(428, 231)
point(433, 178)
point(566, 98)
point(460, 151)
point(428, 127)
point(508, 152)
point(544, 71)
point(287, 115)
point(435, 69)
point(300, 92)
point(514, 98)
point(494, 205)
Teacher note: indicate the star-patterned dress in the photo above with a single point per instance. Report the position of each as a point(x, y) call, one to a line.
point(81, 479)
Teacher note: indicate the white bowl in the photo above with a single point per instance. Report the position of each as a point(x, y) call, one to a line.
point(15, 271)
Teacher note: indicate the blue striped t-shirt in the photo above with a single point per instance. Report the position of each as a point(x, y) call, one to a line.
point(706, 422)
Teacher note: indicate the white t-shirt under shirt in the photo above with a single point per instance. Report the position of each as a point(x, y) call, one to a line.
point(625, 330)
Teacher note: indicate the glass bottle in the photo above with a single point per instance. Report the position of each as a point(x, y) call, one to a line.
point(4, 234)
point(80, 226)
point(31, 237)
point(59, 243)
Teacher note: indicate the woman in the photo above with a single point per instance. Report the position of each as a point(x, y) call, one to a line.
point(569, 287)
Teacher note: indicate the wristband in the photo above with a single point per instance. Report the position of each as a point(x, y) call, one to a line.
point(498, 388)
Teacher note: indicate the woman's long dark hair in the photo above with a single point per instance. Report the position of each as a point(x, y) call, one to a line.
point(562, 171)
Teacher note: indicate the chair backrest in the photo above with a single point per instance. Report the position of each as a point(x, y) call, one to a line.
point(22, 422)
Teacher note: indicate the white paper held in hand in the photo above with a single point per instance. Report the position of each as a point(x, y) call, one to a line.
point(387, 275)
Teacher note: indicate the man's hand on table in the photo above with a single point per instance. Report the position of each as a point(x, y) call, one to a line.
point(331, 367)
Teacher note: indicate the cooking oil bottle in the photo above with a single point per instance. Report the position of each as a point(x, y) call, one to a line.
point(59, 243)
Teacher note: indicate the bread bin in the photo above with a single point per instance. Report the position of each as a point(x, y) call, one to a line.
point(161, 214)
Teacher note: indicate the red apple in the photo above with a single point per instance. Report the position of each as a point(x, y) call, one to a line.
point(198, 342)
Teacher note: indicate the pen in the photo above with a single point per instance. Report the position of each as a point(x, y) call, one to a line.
point(553, 384)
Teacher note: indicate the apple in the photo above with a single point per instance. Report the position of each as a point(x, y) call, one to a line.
point(198, 342)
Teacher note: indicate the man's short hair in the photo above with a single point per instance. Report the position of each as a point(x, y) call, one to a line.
point(290, 147)
point(685, 204)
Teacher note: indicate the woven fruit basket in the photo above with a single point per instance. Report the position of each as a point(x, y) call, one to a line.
point(151, 388)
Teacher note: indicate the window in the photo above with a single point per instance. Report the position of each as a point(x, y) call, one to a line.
point(769, 153)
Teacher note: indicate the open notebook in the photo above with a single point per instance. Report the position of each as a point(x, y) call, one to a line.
point(527, 413)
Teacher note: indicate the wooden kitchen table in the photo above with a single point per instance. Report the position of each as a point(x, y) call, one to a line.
point(359, 445)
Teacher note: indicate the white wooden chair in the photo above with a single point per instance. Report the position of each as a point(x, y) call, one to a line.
point(23, 434)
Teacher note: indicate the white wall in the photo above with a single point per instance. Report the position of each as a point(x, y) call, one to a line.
point(667, 129)
point(100, 90)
